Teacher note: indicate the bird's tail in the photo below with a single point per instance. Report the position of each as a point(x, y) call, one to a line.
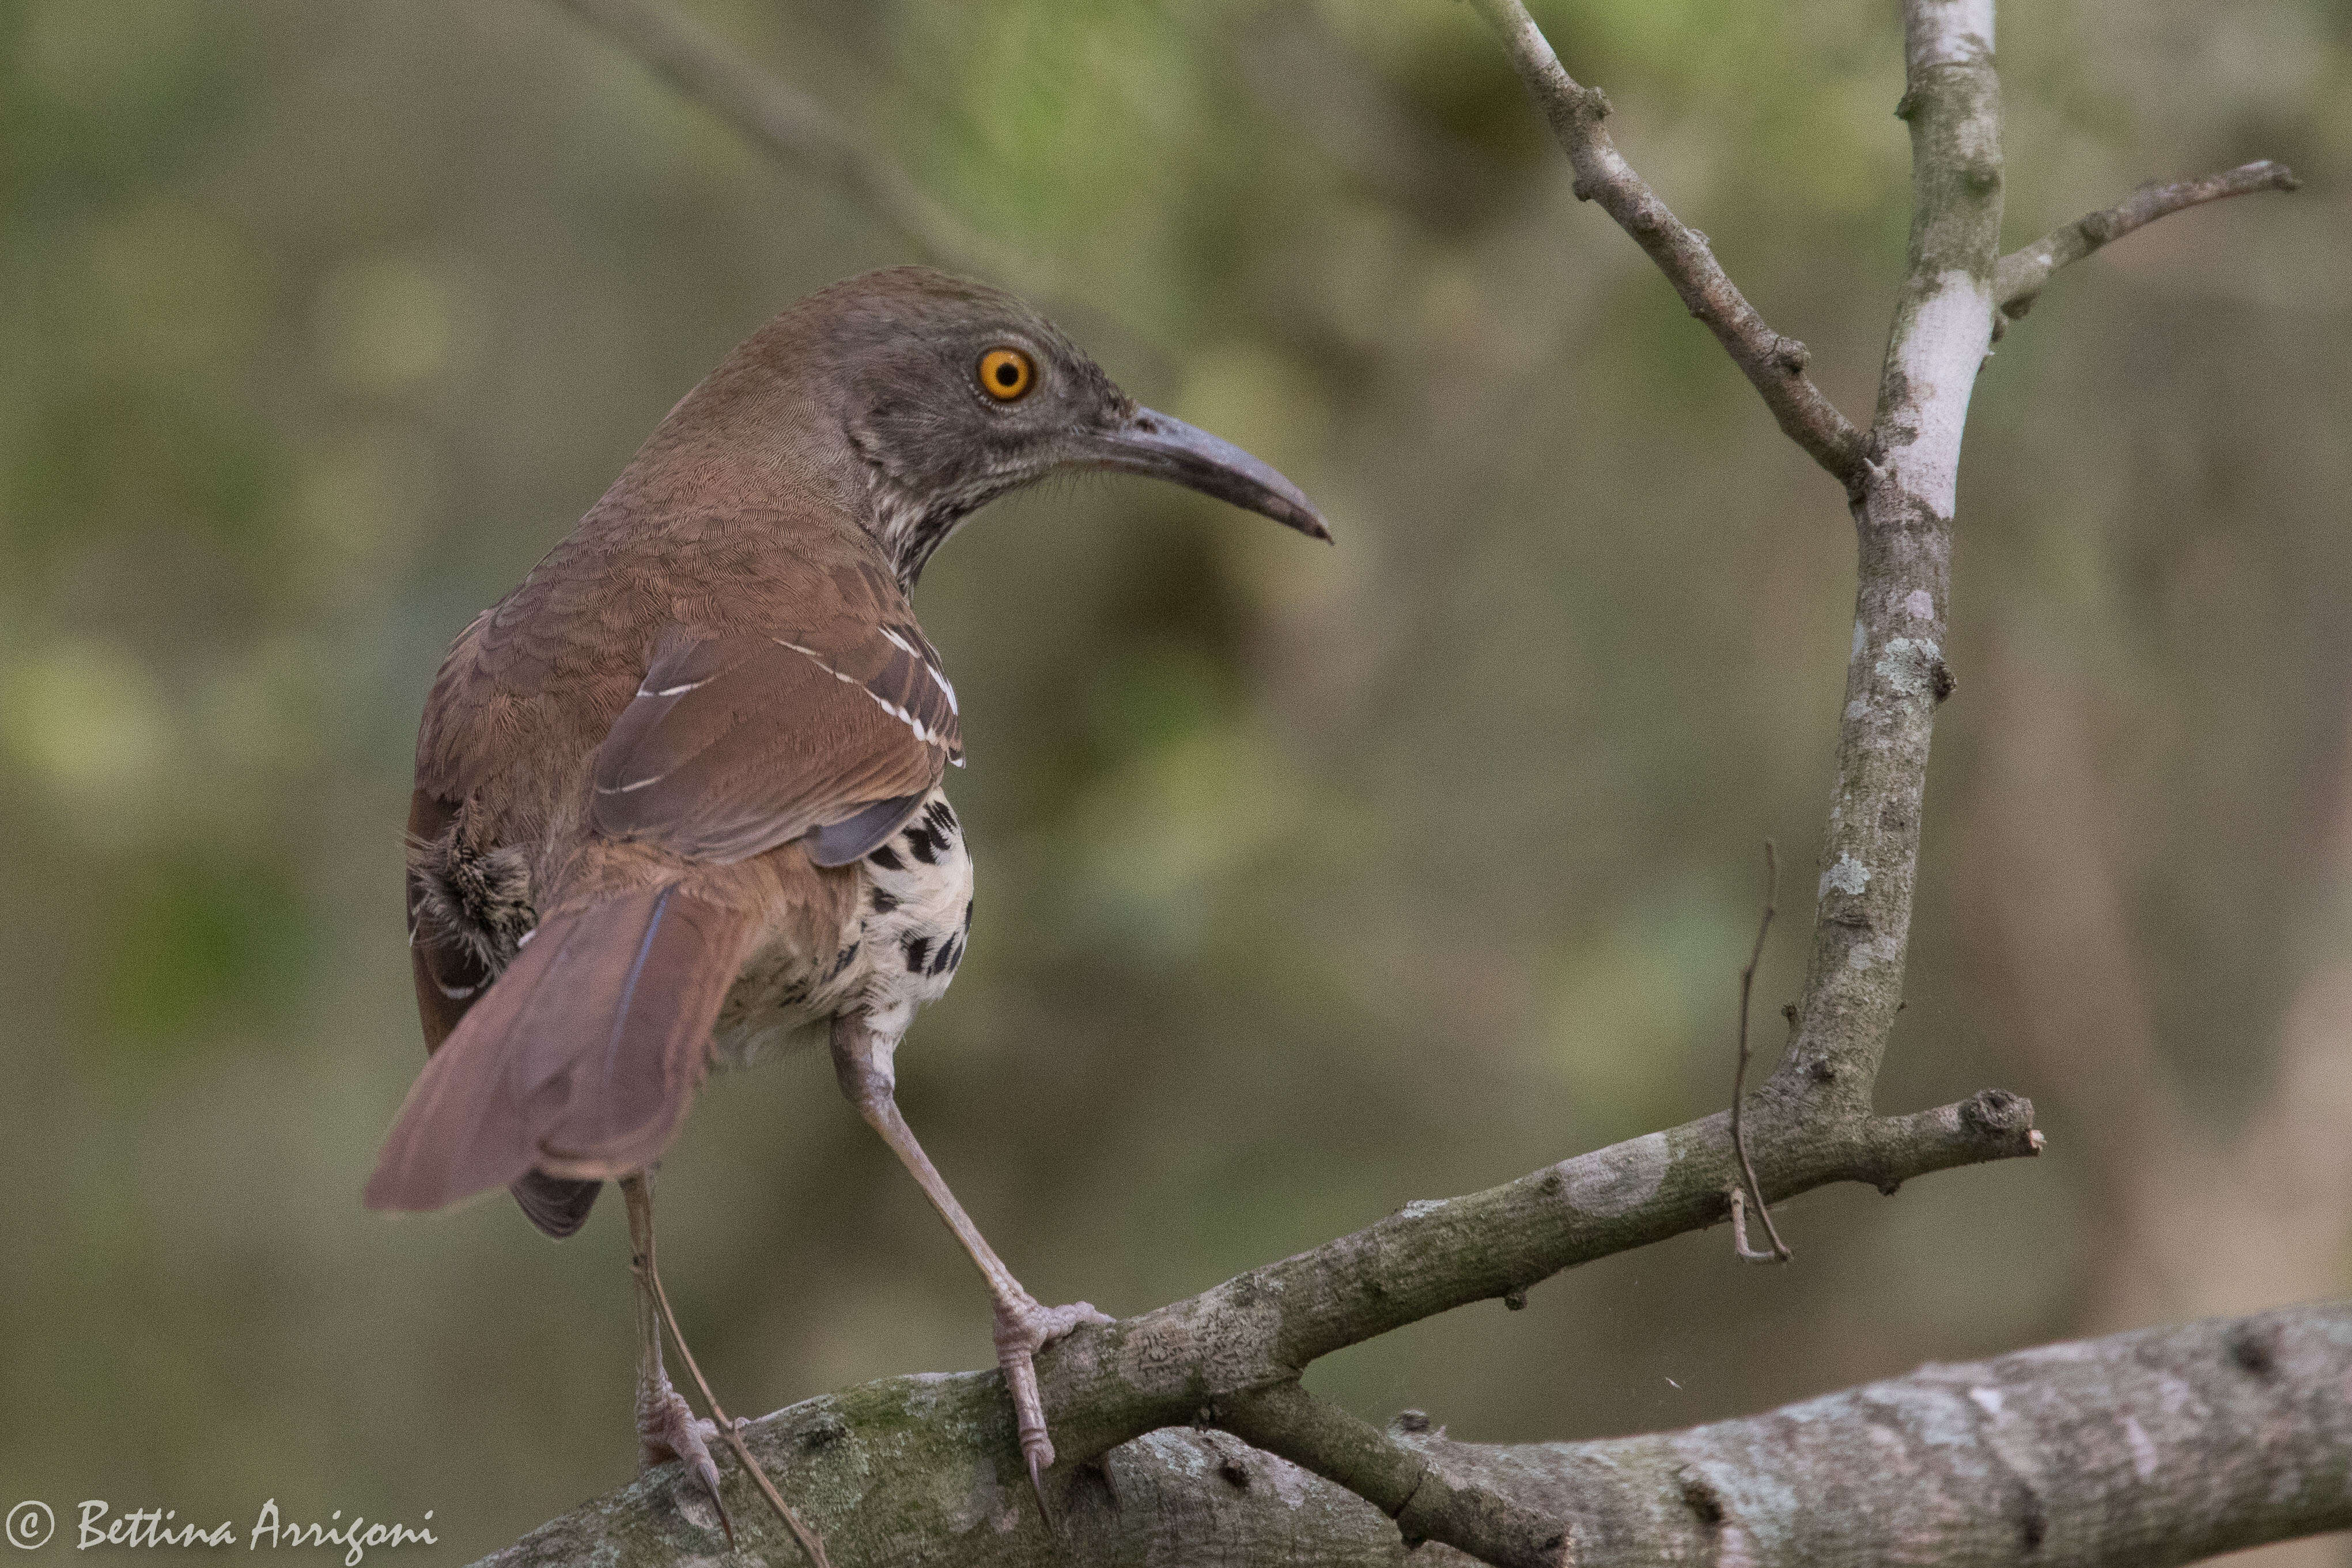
point(579, 1065)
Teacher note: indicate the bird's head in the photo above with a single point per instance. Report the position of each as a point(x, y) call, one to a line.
point(950, 393)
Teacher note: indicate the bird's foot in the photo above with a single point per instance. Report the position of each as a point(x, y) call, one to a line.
point(668, 1429)
point(1023, 1328)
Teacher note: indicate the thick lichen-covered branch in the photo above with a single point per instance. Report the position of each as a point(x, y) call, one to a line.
point(1774, 364)
point(1215, 1356)
point(2136, 1451)
point(2019, 279)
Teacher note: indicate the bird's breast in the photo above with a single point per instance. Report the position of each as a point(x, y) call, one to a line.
point(896, 952)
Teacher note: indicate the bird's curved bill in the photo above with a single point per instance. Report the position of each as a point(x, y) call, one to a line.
point(1153, 443)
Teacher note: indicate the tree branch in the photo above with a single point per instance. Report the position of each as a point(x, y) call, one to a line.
point(2018, 281)
point(799, 131)
point(1774, 364)
point(1106, 1386)
point(1227, 1354)
point(2143, 1450)
point(1902, 481)
point(1896, 675)
point(1407, 1483)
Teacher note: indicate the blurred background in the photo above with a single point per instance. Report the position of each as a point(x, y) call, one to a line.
point(1313, 882)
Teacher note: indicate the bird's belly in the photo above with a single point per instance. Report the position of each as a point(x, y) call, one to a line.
point(896, 953)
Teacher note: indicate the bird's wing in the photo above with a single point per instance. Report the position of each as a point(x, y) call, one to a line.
point(736, 743)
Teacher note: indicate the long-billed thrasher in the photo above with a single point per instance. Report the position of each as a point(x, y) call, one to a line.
point(678, 794)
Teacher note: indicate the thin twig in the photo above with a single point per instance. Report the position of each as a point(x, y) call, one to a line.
point(800, 132)
point(1755, 1194)
point(1774, 364)
point(809, 1540)
point(2018, 280)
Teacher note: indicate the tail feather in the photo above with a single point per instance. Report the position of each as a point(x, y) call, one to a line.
point(578, 1065)
point(557, 1206)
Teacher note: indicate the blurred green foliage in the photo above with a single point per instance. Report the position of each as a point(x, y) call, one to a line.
point(1311, 881)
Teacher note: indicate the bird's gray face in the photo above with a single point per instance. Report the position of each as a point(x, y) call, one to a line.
point(949, 414)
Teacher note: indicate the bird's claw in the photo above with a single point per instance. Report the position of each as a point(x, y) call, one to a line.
point(1023, 1328)
point(668, 1429)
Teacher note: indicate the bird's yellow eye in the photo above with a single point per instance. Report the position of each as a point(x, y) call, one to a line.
point(1006, 374)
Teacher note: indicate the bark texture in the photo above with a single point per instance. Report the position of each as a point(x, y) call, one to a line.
point(1896, 674)
point(2143, 1450)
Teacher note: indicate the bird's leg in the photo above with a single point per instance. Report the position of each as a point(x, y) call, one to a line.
point(665, 1423)
point(861, 1058)
point(667, 1428)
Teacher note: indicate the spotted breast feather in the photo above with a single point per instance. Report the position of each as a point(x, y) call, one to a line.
point(895, 953)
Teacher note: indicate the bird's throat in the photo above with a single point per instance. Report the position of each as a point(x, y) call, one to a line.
point(909, 525)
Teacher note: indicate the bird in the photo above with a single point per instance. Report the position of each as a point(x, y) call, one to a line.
point(679, 796)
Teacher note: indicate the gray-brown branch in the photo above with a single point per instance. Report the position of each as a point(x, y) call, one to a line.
point(1902, 481)
point(1897, 673)
point(2139, 1450)
point(1428, 1499)
point(1231, 1355)
point(1774, 364)
point(2020, 279)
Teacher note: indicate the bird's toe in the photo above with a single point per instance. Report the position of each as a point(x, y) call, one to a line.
point(1026, 1326)
point(1023, 1328)
point(668, 1429)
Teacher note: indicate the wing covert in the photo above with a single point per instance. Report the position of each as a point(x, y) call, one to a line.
point(736, 743)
